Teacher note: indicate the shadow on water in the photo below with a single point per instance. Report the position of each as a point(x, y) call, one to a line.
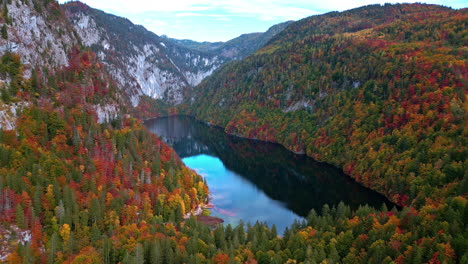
point(298, 182)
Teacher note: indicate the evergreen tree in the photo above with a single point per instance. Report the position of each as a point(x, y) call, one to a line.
point(20, 221)
point(139, 254)
point(4, 31)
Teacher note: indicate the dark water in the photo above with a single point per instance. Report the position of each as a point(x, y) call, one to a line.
point(253, 180)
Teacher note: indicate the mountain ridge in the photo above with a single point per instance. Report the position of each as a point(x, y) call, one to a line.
point(239, 47)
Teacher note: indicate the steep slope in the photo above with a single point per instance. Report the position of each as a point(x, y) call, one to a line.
point(140, 61)
point(38, 32)
point(236, 48)
point(39, 51)
point(62, 171)
point(379, 91)
point(73, 190)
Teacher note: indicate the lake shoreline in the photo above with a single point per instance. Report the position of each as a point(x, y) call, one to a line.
point(255, 180)
point(216, 126)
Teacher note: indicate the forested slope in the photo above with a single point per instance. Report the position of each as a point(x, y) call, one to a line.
point(73, 189)
point(80, 183)
point(379, 91)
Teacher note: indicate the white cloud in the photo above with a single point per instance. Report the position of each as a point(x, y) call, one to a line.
point(223, 19)
point(188, 18)
point(140, 6)
point(258, 8)
point(187, 14)
point(152, 22)
point(264, 9)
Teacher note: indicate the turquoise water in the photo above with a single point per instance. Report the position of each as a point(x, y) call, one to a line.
point(257, 181)
point(235, 198)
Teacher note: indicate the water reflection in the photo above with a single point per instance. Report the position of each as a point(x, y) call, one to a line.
point(253, 180)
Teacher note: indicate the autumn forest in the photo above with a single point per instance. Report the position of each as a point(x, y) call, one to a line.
point(378, 91)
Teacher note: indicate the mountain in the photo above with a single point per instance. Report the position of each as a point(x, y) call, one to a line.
point(37, 47)
point(144, 63)
point(237, 48)
point(38, 32)
point(378, 91)
point(69, 157)
point(147, 64)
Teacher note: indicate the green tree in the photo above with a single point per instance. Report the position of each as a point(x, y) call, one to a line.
point(20, 221)
point(4, 31)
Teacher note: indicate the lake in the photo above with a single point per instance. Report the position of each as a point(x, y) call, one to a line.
point(252, 180)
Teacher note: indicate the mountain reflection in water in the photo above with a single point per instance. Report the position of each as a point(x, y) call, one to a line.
point(253, 180)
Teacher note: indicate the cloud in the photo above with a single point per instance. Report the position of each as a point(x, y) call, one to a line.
point(263, 9)
point(141, 6)
point(258, 8)
point(153, 22)
point(208, 19)
point(187, 14)
point(223, 19)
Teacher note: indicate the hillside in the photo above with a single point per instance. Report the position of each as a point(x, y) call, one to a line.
point(370, 90)
point(38, 46)
point(72, 182)
point(79, 190)
point(378, 91)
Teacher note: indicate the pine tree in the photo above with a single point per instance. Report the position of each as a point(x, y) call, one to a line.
point(219, 236)
point(95, 233)
point(95, 211)
point(4, 32)
point(60, 212)
point(139, 254)
point(156, 253)
point(20, 221)
point(53, 247)
point(106, 249)
point(273, 232)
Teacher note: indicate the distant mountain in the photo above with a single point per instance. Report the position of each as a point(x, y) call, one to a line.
point(201, 46)
point(374, 90)
point(236, 48)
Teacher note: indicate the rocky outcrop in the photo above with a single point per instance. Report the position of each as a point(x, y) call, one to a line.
point(37, 32)
point(144, 63)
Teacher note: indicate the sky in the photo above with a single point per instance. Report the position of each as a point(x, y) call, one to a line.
point(222, 20)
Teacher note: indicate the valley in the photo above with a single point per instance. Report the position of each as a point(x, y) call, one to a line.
point(374, 99)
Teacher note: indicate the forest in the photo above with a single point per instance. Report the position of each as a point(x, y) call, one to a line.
point(378, 91)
